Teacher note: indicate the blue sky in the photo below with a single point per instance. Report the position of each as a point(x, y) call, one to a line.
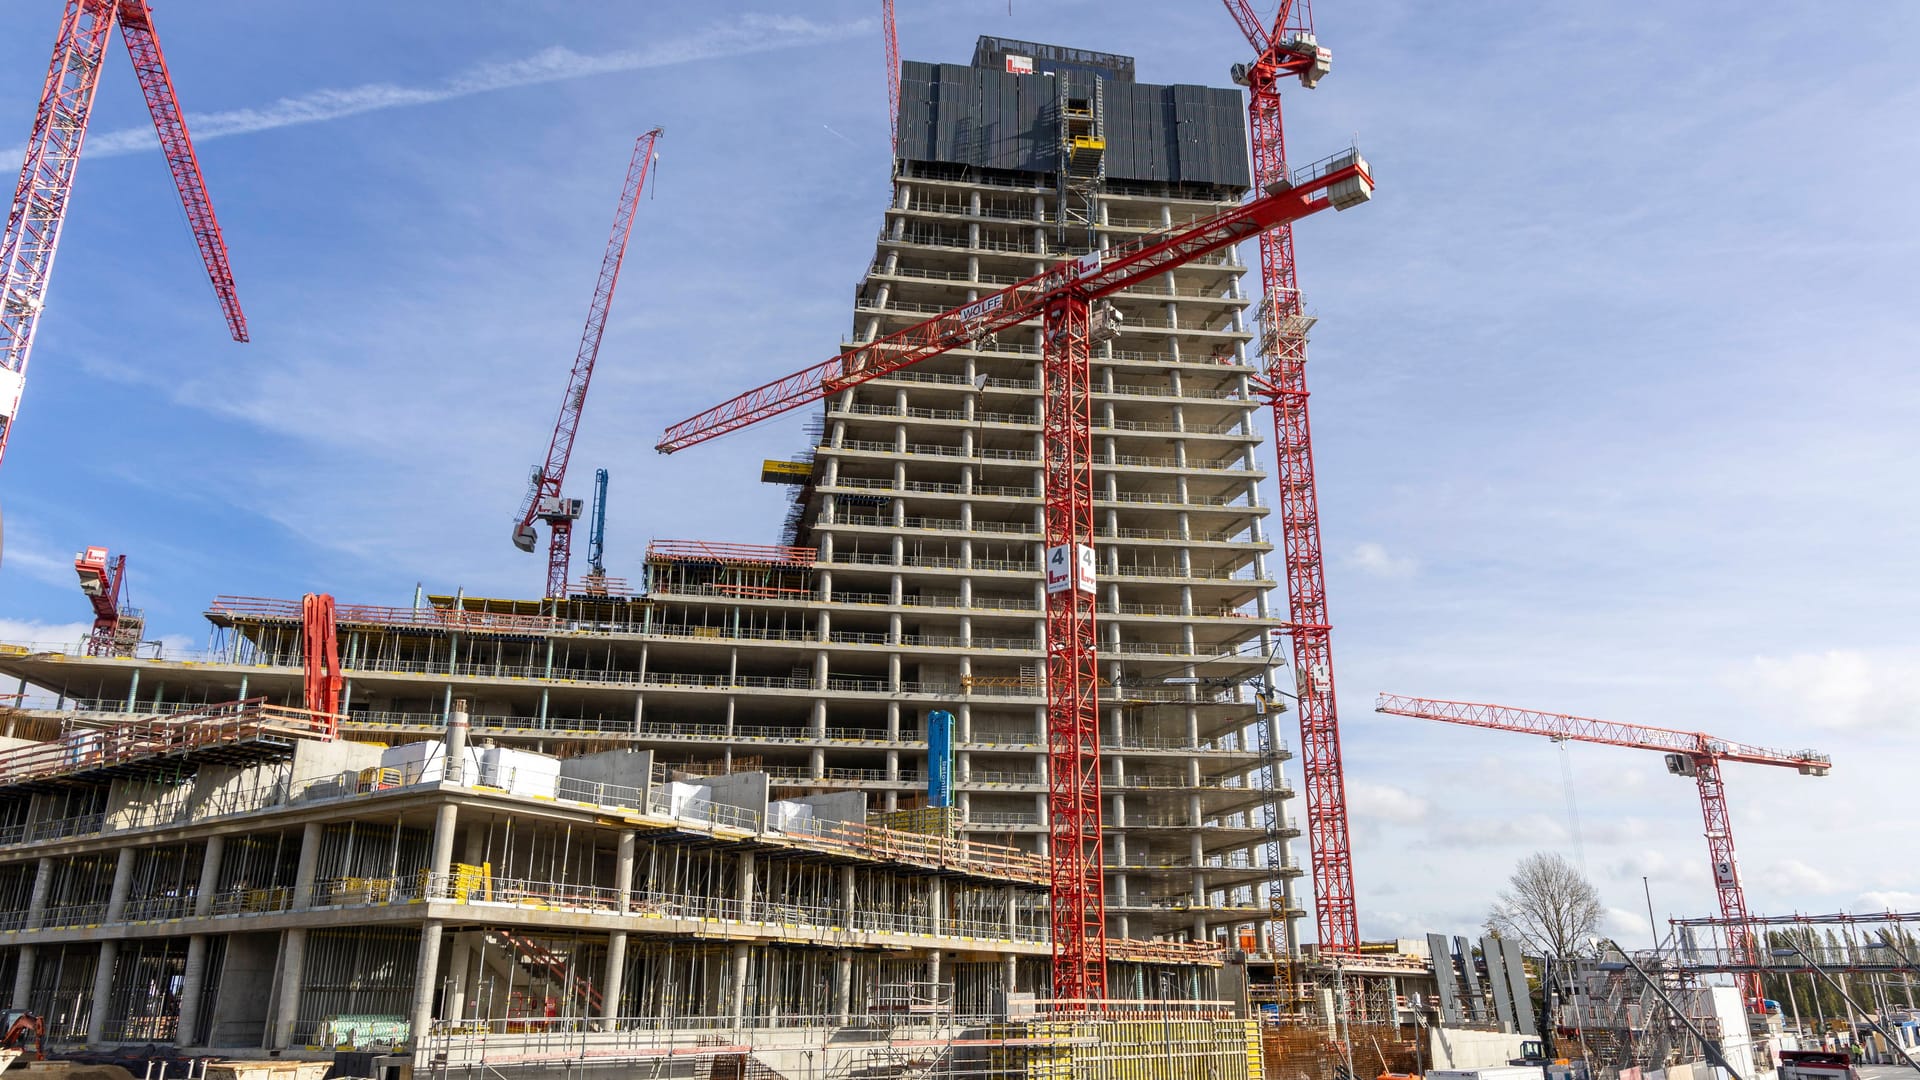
point(1614, 380)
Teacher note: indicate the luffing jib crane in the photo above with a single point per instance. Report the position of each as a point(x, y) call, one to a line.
point(1065, 299)
point(544, 501)
point(40, 201)
point(1688, 753)
point(103, 578)
point(1285, 48)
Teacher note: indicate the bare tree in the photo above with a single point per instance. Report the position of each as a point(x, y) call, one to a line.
point(1548, 905)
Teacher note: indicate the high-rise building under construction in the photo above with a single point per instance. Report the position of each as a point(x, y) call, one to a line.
point(801, 780)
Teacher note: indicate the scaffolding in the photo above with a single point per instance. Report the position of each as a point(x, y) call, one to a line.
point(175, 744)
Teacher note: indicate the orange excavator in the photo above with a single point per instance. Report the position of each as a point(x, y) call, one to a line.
point(22, 1027)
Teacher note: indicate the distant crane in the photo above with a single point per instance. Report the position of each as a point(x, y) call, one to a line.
point(1688, 753)
point(1285, 48)
point(597, 533)
point(40, 201)
point(116, 629)
point(544, 500)
point(1067, 300)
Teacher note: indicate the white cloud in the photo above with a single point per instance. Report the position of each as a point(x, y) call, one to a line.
point(1372, 558)
point(43, 635)
point(1887, 900)
point(1625, 926)
point(1845, 689)
point(744, 35)
point(39, 565)
point(1384, 802)
point(1525, 833)
point(1798, 876)
point(1657, 865)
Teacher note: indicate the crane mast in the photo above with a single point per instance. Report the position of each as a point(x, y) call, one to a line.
point(103, 579)
point(1688, 753)
point(544, 501)
point(1064, 299)
point(1286, 48)
point(597, 528)
point(45, 188)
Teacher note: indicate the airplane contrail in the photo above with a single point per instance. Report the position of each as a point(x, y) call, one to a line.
point(745, 35)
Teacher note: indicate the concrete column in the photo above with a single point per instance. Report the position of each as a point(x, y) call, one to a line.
point(623, 876)
point(192, 980)
point(293, 966)
point(610, 986)
point(937, 903)
point(23, 976)
point(209, 875)
point(308, 866)
point(426, 975)
point(457, 961)
point(445, 818)
point(122, 882)
point(456, 743)
point(849, 890)
point(843, 987)
point(475, 948)
point(747, 885)
point(1013, 973)
point(42, 884)
point(102, 990)
point(738, 1007)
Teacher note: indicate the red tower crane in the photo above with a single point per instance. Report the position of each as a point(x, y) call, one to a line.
point(116, 629)
point(1285, 48)
point(40, 201)
point(1063, 299)
point(544, 500)
point(892, 34)
point(1688, 753)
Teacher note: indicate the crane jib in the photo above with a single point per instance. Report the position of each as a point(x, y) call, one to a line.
point(1339, 181)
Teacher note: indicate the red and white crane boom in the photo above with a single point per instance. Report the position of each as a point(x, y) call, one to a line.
point(45, 190)
point(892, 34)
point(1688, 753)
point(1062, 298)
point(1339, 181)
point(544, 501)
point(1285, 48)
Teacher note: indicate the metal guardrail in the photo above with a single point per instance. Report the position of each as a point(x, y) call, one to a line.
point(125, 744)
point(709, 551)
point(259, 607)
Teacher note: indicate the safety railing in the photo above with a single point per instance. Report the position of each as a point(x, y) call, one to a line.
point(177, 735)
point(75, 914)
point(256, 608)
point(245, 900)
point(940, 852)
point(156, 908)
point(710, 551)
